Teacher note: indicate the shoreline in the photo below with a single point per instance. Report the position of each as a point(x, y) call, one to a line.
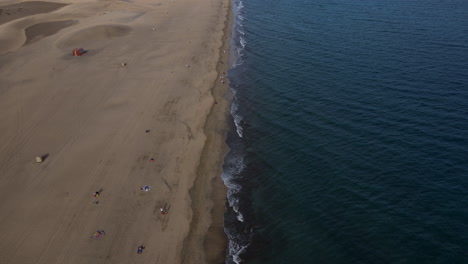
point(214, 241)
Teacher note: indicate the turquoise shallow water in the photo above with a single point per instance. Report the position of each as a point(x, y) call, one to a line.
point(350, 142)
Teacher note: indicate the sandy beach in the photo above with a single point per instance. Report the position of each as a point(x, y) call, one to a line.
point(144, 106)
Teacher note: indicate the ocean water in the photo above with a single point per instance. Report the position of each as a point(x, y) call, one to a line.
point(349, 141)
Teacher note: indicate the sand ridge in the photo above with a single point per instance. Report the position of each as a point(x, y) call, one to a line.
point(12, 33)
point(13, 11)
point(36, 32)
point(90, 113)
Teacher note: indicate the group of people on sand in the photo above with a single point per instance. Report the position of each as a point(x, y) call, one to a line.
point(222, 77)
point(145, 188)
point(96, 195)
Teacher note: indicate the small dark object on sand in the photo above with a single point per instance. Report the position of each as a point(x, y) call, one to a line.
point(147, 130)
point(140, 249)
point(98, 234)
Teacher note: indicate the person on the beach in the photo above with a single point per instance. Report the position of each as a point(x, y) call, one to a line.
point(146, 188)
point(140, 249)
point(98, 234)
point(163, 211)
point(96, 194)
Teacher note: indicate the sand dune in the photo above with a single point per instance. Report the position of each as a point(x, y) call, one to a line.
point(88, 14)
point(89, 114)
point(38, 31)
point(19, 10)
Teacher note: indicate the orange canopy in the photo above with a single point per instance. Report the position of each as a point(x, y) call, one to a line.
point(78, 52)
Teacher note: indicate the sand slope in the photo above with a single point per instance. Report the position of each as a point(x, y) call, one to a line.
point(89, 114)
point(13, 11)
point(38, 31)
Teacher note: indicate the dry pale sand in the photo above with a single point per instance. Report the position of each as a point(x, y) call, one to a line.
point(89, 114)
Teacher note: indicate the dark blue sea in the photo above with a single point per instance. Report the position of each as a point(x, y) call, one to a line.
point(349, 139)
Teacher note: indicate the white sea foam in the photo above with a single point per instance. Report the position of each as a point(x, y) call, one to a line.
point(235, 255)
point(234, 166)
point(240, 6)
point(238, 31)
point(242, 41)
point(237, 118)
point(239, 51)
point(240, 217)
point(237, 64)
